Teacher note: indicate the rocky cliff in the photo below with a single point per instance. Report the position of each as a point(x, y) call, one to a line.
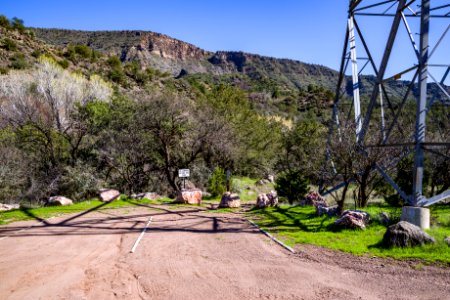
point(177, 57)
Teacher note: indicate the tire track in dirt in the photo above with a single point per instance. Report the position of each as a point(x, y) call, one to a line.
point(73, 261)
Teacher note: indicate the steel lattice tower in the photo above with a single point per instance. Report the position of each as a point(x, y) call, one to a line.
point(397, 14)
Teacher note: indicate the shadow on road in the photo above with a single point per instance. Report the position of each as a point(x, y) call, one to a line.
point(106, 222)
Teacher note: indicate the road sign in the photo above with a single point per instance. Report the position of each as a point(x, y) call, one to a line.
point(183, 173)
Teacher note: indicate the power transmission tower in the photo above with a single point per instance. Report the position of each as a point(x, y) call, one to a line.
point(398, 14)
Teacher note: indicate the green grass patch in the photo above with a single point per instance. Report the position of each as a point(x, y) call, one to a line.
point(23, 214)
point(300, 225)
point(37, 213)
point(248, 190)
point(224, 210)
point(243, 182)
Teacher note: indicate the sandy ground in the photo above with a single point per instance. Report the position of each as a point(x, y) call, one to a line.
point(190, 255)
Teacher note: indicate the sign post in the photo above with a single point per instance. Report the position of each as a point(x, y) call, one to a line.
point(183, 173)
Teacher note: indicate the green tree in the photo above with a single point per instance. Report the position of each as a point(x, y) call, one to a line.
point(83, 50)
point(252, 143)
point(4, 22)
point(403, 179)
point(9, 45)
point(114, 62)
point(64, 63)
point(303, 148)
point(18, 61)
point(217, 182)
point(116, 73)
point(291, 185)
point(18, 24)
point(40, 110)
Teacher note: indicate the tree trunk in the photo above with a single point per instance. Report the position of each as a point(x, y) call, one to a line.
point(171, 180)
point(363, 198)
point(340, 203)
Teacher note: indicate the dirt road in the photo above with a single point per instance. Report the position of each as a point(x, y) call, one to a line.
point(189, 255)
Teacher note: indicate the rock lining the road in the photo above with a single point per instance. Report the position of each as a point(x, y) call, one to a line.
point(230, 200)
point(108, 195)
point(404, 234)
point(189, 196)
point(59, 201)
point(6, 207)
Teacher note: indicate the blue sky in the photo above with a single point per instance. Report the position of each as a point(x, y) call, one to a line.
point(310, 31)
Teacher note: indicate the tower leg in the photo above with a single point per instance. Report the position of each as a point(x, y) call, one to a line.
point(421, 104)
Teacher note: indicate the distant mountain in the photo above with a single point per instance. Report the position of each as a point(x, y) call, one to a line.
point(179, 58)
point(171, 55)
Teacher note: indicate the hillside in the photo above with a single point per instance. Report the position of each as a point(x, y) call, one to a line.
point(170, 55)
point(275, 86)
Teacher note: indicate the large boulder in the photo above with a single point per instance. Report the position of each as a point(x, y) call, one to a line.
point(384, 218)
point(404, 234)
point(315, 199)
point(230, 200)
point(273, 198)
point(353, 219)
point(108, 195)
point(269, 199)
point(191, 196)
point(59, 201)
point(262, 201)
point(320, 203)
point(329, 211)
point(6, 207)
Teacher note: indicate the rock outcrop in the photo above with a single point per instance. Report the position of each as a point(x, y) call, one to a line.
point(230, 200)
point(191, 196)
point(230, 61)
point(59, 201)
point(167, 47)
point(404, 234)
